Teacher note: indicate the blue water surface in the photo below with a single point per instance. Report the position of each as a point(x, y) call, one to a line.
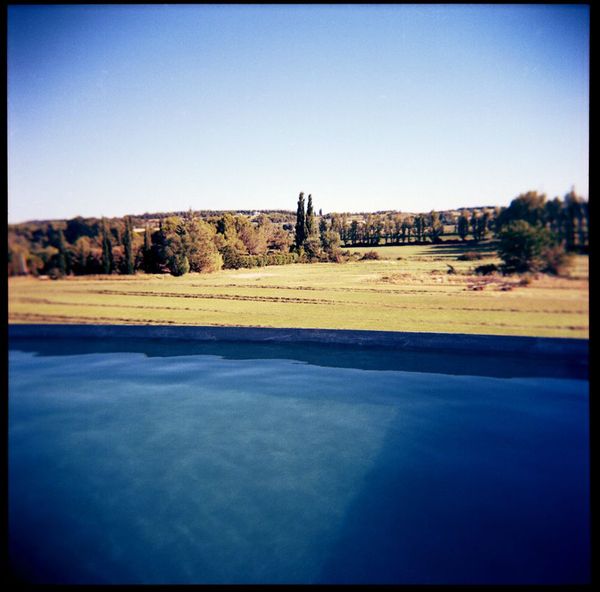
point(131, 467)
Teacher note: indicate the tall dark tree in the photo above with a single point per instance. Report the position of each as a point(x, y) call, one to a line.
point(377, 230)
point(354, 232)
point(158, 258)
point(63, 261)
point(475, 226)
point(463, 227)
point(404, 231)
point(436, 227)
point(147, 252)
point(311, 226)
point(419, 227)
point(128, 244)
point(147, 238)
point(322, 228)
point(107, 256)
point(398, 228)
point(301, 233)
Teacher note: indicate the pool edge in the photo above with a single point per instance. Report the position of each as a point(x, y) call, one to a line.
point(456, 342)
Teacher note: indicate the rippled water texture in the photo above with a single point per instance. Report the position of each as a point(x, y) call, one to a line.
point(242, 464)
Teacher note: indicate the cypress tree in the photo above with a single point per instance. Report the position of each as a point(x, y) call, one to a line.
point(482, 226)
point(128, 244)
point(463, 227)
point(147, 239)
point(147, 250)
point(311, 226)
point(107, 257)
point(300, 222)
point(63, 264)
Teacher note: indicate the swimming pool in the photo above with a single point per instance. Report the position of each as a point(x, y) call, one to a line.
point(153, 461)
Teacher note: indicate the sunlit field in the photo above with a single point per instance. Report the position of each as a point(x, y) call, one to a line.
point(407, 289)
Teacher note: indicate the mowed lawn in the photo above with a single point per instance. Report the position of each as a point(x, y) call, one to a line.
point(408, 289)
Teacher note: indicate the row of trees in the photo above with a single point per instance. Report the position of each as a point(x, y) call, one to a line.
point(395, 228)
point(180, 244)
point(567, 218)
point(190, 243)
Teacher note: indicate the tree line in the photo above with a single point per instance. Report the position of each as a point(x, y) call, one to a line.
point(191, 242)
point(180, 244)
point(567, 219)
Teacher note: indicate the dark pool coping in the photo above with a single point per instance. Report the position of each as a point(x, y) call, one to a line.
point(450, 342)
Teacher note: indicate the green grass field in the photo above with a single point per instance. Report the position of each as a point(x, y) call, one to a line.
point(408, 289)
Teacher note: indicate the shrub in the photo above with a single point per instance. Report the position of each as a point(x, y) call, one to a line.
point(312, 248)
point(232, 258)
point(486, 269)
point(249, 261)
point(556, 260)
point(180, 265)
point(524, 247)
point(339, 256)
point(370, 255)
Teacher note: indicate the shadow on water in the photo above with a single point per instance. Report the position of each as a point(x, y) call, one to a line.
point(501, 365)
point(460, 502)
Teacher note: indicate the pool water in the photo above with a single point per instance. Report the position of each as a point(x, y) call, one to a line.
point(133, 462)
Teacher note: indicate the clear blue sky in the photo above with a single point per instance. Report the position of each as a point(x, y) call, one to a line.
point(117, 110)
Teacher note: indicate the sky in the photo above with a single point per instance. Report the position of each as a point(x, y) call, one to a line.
point(127, 109)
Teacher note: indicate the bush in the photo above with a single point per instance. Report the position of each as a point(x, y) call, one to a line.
point(249, 261)
point(180, 265)
point(312, 248)
point(340, 256)
point(370, 255)
point(556, 260)
point(232, 258)
point(208, 262)
point(524, 247)
point(486, 269)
